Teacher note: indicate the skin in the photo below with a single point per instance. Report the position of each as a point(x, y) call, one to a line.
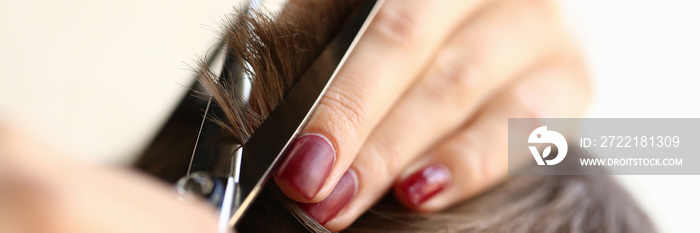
point(452, 70)
point(458, 70)
point(41, 191)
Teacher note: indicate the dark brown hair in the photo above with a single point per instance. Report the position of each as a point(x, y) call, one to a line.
point(276, 50)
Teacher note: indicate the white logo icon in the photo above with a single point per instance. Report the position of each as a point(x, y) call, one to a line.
point(542, 135)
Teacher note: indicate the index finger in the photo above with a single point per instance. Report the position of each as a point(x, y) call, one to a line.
point(400, 41)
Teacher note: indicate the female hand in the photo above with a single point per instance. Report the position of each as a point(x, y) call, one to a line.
point(43, 192)
point(422, 105)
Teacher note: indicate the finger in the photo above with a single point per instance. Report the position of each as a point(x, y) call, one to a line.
point(45, 192)
point(476, 158)
point(22, 156)
point(385, 62)
point(491, 49)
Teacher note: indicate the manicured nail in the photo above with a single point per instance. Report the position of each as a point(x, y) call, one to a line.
point(307, 165)
point(424, 184)
point(335, 202)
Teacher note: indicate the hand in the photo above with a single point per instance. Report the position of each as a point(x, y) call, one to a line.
point(422, 106)
point(43, 192)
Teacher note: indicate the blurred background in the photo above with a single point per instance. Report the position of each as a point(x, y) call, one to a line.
point(97, 79)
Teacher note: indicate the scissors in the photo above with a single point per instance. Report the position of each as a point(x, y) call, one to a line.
point(232, 176)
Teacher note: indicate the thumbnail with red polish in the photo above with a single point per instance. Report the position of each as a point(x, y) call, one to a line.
point(325, 210)
point(424, 184)
point(307, 165)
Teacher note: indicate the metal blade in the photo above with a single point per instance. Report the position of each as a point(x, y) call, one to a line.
point(264, 150)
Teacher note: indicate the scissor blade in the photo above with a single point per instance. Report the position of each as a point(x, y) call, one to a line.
point(264, 150)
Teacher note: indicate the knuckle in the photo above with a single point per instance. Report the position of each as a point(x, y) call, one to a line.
point(452, 82)
point(478, 160)
point(346, 108)
point(385, 153)
point(472, 154)
point(397, 26)
point(565, 76)
point(521, 103)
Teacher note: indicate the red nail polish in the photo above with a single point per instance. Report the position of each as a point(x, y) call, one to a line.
point(424, 184)
point(335, 202)
point(307, 165)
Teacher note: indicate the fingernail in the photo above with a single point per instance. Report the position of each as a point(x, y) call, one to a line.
point(307, 165)
point(424, 184)
point(325, 210)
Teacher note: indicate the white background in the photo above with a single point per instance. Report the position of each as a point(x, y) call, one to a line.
point(96, 79)
point(644, 57)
